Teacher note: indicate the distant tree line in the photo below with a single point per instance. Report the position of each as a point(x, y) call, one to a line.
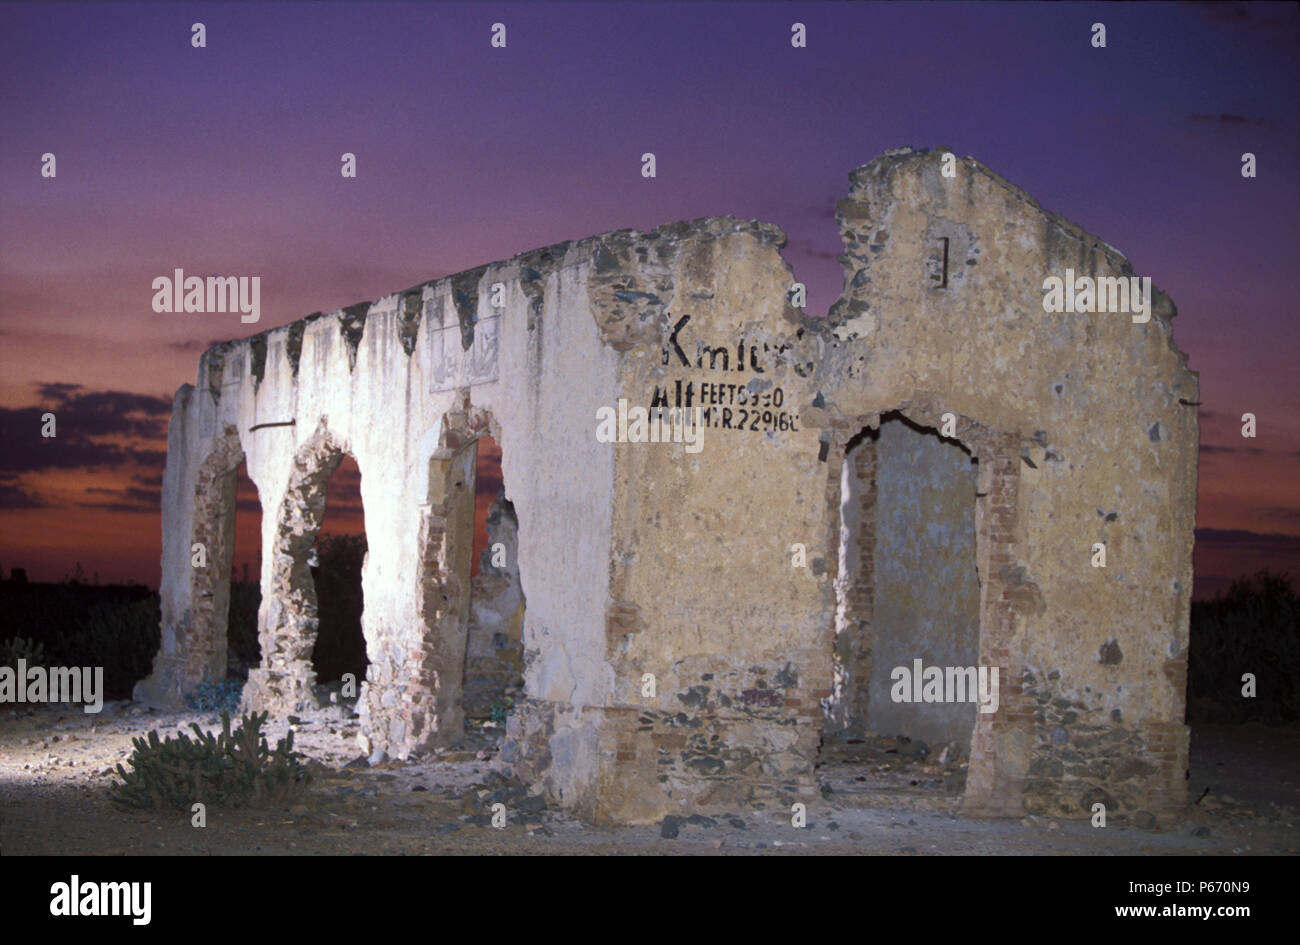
point(1252, 628)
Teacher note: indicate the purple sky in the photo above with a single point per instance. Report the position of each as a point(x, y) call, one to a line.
point(226, 160)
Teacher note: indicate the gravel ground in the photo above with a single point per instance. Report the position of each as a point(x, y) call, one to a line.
point(56, 764)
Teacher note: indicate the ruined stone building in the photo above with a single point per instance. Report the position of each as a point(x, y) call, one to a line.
point(926, 474)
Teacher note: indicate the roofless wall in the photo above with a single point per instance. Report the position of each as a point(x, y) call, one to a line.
point(699, 624)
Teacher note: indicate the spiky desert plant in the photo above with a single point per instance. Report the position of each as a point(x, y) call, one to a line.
point(233, 769)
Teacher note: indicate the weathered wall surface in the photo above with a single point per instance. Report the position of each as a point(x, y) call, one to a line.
point(702, 592)
point(855, 594)
point(393, 384)
point(1086, 432)
point(714, 571)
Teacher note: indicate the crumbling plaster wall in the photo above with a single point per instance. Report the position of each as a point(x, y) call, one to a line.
point(1096, 415)
point(641, 559)
point(388, 383)
point(703, 596)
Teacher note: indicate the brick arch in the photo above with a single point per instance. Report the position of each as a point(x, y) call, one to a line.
point(193, 645)
point(288, 618)
point(1004, 590)
point(432, 675)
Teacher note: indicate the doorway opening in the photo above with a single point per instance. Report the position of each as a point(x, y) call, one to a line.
point(336, 559)
point(908, 617)
point(243, 650)
point(494, 651)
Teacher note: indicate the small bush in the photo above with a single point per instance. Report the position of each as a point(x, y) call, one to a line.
point(498, 712)
point(1254, 627)
point(231, 770)
point(122, 637)
point(220, 696)
point(21, 648)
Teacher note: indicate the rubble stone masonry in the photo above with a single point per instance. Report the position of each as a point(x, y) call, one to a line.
point(699, 628)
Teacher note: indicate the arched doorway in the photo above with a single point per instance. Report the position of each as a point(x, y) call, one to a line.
point(290, 618)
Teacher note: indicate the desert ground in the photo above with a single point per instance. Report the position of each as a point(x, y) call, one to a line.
point(56, 765)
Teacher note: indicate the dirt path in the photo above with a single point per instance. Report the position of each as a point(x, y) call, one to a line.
point(56, 765)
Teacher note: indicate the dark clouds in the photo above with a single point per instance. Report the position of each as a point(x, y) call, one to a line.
point(129, 507)
point(143, 496)
point(27, 451)
point(95, 432)
point(1239, 539)
point(1223, 554)
point(87, 427)
point(1210, 449)
point(343, 493)
point(101, 413)
point(155, 458)
point(16, 497)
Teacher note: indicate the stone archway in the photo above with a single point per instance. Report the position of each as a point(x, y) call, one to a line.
point(431, 679)
point(288, 621)
point(193, 646)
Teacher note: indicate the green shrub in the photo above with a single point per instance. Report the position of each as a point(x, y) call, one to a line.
point(498, 712)
point(231, 770)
